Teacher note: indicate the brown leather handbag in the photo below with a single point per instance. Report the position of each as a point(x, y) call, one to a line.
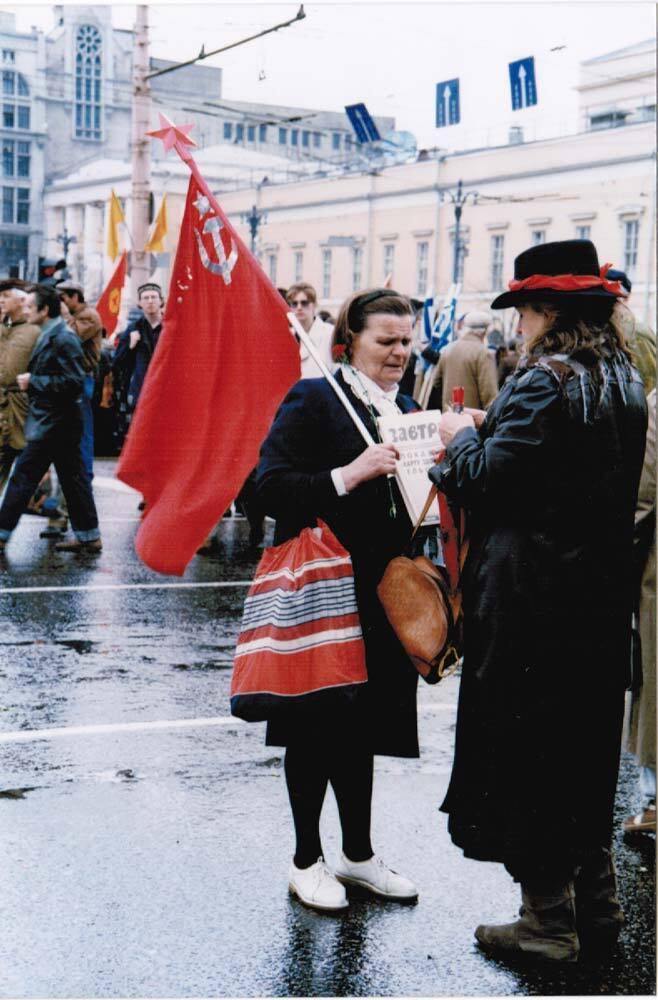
point(423, 603)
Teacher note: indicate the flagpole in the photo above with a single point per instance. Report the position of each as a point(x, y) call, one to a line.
point(312, 350)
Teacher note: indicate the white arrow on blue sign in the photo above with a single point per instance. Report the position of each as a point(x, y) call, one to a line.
point(523, 83)
point(362, 123)
point(447, 103)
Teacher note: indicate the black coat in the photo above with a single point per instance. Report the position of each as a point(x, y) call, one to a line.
point(133, 365)
point(550, 484)
point(57, 377)
point(311, 435)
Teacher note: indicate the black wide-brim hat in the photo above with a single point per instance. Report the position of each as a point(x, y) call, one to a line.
point(557, 272)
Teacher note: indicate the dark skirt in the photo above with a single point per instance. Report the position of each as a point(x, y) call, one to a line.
point(380, 715)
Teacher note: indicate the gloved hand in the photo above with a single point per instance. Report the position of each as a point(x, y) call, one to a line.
point(429, 354)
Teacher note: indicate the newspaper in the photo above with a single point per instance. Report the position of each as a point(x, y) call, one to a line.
point(416, 436)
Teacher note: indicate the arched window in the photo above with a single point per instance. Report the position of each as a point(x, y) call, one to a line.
point(88, 77)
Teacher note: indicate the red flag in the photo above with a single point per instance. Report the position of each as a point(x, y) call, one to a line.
point(224, 361)
point(109, 304)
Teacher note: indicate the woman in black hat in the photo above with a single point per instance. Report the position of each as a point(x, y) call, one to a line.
point(549, 478)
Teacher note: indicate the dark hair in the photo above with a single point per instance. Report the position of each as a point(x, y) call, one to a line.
point(587, 329)
point(46, 298)
point(150, 286)
point(354, 313)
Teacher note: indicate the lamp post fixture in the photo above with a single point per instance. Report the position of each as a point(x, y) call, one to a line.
point(459, 199)
point(254, 219)
point(66, 242)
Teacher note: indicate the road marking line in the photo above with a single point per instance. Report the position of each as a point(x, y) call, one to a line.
point(30, 735)
point(124, 586)
point(26, 735)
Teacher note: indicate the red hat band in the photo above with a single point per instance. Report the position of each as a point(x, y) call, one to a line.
point(569, 282)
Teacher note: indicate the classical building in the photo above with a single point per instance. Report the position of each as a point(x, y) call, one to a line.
point(78, 203)
point(348, 230)
point(67, 103)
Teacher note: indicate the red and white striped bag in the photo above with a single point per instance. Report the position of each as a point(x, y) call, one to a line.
point(300, 640)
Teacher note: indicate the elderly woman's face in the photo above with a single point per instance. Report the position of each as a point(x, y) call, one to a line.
point(531, 324)
point(381, 351)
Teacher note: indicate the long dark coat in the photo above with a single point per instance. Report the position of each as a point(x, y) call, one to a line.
point(311, 435)
point(549, 483)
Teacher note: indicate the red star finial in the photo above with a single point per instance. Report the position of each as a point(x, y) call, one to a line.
point(172, 134)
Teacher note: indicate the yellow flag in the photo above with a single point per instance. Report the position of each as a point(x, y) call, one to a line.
point(116, 216)
point(156, 242)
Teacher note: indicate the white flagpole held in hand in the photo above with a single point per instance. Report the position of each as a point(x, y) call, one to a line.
point(310, 347)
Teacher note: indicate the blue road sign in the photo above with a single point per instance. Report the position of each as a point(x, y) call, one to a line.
point(447, 103)
point(523, 84)
point(362, 123)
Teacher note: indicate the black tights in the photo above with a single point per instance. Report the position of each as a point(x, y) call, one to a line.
point(307, 774)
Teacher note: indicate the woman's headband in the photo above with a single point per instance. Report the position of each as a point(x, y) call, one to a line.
point(365, 300)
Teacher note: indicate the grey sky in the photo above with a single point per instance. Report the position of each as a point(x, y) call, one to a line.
point(391, 55)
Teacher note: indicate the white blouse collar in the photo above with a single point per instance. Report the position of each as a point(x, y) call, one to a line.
point(358, 381)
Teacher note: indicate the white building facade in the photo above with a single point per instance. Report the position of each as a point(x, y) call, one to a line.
point(352, 231)
point(23, 137)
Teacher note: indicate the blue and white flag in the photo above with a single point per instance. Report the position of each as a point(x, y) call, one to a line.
point(442, 330)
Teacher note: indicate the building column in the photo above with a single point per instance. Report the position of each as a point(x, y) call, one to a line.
point(73, 223)
point(92, 242)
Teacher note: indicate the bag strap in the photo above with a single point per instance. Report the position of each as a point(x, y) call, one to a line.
point(423, 514)
point(452, 536)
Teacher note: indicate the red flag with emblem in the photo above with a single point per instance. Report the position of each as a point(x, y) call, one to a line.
point(109, 304)
point(224, 361)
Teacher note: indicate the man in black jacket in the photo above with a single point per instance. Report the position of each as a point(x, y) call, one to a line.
point(53, 428)
point(137, 344)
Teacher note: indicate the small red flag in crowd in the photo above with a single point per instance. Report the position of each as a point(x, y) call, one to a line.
point(224, 361)
point(109, 304)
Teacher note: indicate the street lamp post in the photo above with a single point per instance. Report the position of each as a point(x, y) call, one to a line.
point(66, 242)
point(254, 220)
point(459, 199)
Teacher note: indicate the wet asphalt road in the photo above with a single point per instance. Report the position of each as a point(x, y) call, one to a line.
point(152, 861)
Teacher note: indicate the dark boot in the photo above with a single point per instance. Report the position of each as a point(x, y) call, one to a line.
point(599, 915)
point(546, 930)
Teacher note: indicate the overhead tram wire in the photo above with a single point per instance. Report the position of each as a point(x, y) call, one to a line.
point(299, 16)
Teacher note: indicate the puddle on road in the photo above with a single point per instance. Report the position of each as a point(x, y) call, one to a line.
point(80, 646)
point(16, 793)
point(207, 665)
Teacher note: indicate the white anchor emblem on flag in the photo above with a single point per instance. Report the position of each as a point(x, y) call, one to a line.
point(214, 225)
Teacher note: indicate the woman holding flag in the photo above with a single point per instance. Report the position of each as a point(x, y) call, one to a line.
point(549, 478)
point(313, 465)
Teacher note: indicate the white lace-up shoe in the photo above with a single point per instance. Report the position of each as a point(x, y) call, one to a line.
point(376, 877)
point(317, 887)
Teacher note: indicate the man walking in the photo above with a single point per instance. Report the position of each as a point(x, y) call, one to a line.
point(53, 429)
point(17, 340)
point(85, 321)
point(468, 363)
point(303, 301)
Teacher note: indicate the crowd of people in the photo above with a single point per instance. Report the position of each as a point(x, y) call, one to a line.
point(548, 461)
